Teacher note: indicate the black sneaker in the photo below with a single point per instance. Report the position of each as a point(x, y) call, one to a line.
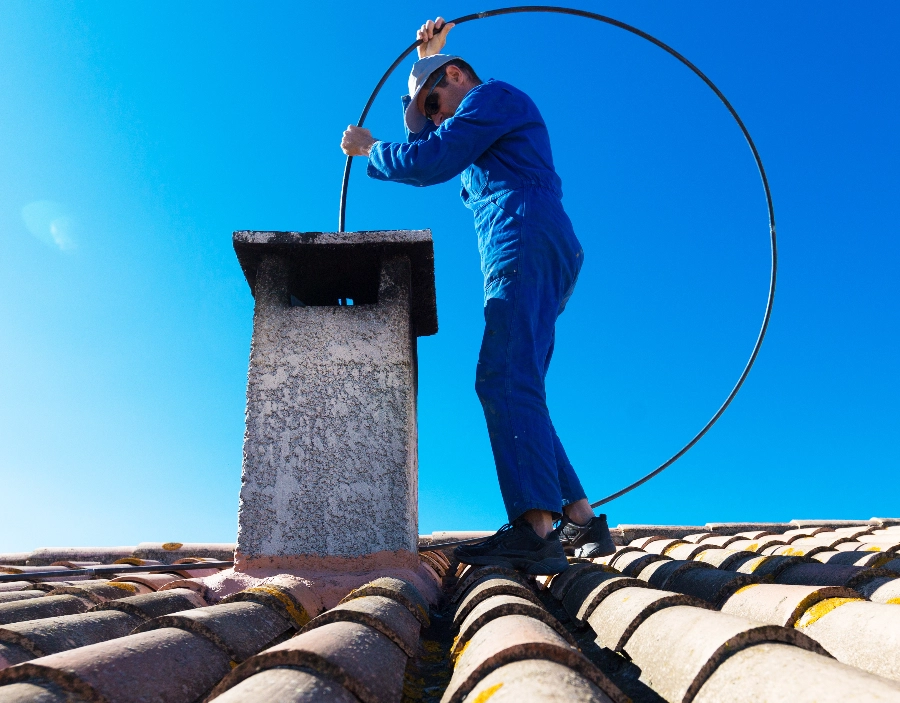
point(586, 541)
point(517, 546)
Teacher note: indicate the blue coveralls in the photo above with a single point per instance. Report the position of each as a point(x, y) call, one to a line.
point(530, 258)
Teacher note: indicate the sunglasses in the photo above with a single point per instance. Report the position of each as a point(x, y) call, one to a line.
point(432, 103)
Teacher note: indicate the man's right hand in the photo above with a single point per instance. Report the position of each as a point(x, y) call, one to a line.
point(432, 42)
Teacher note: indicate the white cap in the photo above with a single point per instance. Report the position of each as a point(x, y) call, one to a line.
point(421, 70)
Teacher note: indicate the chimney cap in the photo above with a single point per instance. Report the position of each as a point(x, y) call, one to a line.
point(250, 246)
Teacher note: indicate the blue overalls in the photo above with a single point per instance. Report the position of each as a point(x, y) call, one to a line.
point(530, 258)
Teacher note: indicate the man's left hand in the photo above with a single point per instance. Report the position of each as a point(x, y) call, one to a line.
point(357, 141)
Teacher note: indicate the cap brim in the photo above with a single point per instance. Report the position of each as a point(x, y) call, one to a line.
point(415, 120)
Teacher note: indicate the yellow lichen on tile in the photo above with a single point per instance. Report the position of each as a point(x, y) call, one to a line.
point(300, 616)
point(455, 657)
point(744, 588)
point(124, 586)
point(172, 546)
point(821, 609)
point(487, 693)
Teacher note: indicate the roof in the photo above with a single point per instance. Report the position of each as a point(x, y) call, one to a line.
point(800, 611)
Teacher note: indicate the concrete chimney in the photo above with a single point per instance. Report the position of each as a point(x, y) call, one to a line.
point(330, 469)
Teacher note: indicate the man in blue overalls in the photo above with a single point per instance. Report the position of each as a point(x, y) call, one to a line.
point(493, 134)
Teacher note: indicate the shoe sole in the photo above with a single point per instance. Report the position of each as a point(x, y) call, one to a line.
point(596, 552)
point(545, 567)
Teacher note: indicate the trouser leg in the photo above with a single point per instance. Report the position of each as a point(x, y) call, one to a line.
point(510, 385)
point(569, 484)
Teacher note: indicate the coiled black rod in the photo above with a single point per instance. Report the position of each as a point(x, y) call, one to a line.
point(762, 173)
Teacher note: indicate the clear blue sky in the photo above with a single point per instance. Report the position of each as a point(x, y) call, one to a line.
point(135, 137)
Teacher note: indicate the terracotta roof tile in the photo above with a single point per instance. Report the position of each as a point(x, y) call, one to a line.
point(498, 607)
point(14, 586)
point(100, 555)
point(742, 528)
point(825, 539)
point(404, 593)
point(153, 582)
point(618, 615)
point(52, 635)
point(169, 664)
point(380, 613)
point(714, 586)
point(662, 546)
point(658, 573)
point(587, 593)
point(728, 559)
point(48, 606)
point(485, 588)
point(561, 583)
point(476, 574)
point(632, 563)
point(719, 540)
point(154, 605)
point(53, 584)
point(755, 534)
point(757, 544)
point(697, 536)
point(287, 686)
point(816, 574)
point(881, 590)
point(832, 524)
point(632, 532)
point(537, 680)
point(852, 558)
point(855, 632)
point(11, 596)
point(289, 596)
point(794, 550)
point(608, 560)
point(677, 648)
point(197, 585)
point(99, 592)
point(515, 638)
point(770, 566)
point(778, 673)
point(687, 550)
point(169, 552)
point(357, 657)
point(238, 629)
point(777, 604)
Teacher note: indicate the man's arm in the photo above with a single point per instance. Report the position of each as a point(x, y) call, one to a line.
point(448, 150)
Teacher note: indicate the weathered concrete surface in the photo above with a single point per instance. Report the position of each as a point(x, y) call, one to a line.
point(330, 468)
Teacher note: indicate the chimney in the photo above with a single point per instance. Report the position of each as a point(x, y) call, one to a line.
point(330, 467)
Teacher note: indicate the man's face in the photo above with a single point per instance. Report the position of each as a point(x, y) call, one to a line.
point(447, 97)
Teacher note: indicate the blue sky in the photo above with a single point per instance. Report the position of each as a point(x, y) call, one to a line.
point(135, 137)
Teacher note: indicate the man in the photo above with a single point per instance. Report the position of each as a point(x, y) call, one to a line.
point(493, 134)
